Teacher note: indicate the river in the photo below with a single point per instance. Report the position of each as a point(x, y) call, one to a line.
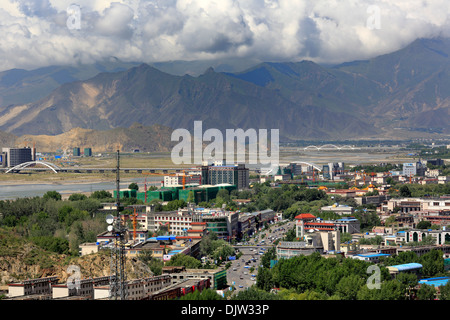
point(11, 192)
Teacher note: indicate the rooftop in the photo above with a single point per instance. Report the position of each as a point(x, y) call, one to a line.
point(406, 266)
point(303, 216)
point(436, 282)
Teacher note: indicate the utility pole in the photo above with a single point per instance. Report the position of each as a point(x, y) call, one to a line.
point(118, 288)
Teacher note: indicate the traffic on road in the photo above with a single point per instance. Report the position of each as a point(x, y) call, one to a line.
point(243, 271)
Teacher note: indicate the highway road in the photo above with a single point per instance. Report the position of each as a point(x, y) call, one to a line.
point(239, 273)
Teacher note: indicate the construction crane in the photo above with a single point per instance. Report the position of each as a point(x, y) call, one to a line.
point(134, 217)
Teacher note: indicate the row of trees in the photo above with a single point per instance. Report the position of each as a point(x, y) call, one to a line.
point(315, 277)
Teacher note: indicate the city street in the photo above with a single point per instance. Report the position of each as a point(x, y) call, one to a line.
point(239, 273)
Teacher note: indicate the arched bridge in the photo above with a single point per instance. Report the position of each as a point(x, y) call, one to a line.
point(329, 147)
point(32, 165)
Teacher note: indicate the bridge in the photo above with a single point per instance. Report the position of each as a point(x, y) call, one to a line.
point(272, 170)
point(330, 147)
point(315, 166)
point(48, 166)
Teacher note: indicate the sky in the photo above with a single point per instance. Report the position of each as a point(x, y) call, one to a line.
point(38, 33)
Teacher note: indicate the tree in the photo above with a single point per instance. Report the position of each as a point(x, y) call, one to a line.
point(77, 197)
point(432, 262)
point(253, 293)
point(184, 260)
point(223, 194)
point(264, 279)
point(205, 294)
point(348, 287)
point(445, 291)
point(52, 195)
point(133, 186)
point(424, 224)
point(154, 264)
point(101, 194)
point(426, 292)
point(404, 191)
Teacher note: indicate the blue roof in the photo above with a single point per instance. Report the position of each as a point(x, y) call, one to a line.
point(407, 266)
point(436, 282)
point(165, 238)
point(370, 255)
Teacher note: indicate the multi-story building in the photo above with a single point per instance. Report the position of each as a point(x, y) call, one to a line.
point(333, 169)
point(29, 287)
point(413, 168)
point(406, 205)
point(237, 175)
point(87, 152)
point(12, 157)
point(137, 289)
point(177, 180)
point(321, 241)
point(84, 287)
point(221, 222)
point(217, 277)
point(307, 222)
point(76, 152)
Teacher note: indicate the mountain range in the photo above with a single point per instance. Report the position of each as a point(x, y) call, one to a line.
point(399, 95)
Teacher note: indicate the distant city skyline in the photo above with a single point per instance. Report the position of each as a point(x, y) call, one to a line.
point(38, 33)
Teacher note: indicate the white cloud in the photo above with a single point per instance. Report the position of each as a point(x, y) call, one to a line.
point(35, 32)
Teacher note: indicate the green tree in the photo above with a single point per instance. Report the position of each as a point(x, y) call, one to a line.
point(77, 197)
point(101, 194)
point(224, 195)
point(184, 260)
point(133, 186)
point(253, 293)
point(53, 244)
point(445, 291)
point(404, 191)
point(433, 263)
point(424, 224)
point(426, 292)
point(349, 286)
point(205, 294)
point(52, 195)
point(154, 264)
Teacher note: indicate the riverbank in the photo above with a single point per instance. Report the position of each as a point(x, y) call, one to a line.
point(11, 179)
point(13, 186)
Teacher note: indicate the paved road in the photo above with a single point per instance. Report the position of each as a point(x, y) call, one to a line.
point(238, 274)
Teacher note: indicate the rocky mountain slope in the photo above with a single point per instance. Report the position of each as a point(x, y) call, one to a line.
point(397, 95)
point(155, 138)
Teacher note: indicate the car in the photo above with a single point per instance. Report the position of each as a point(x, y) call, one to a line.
point(241, 286)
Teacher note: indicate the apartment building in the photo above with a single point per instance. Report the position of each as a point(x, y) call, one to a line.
point(82, 287)
point(41, 286)
point(406, 205)
point(237, 175)
point(137, 289)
